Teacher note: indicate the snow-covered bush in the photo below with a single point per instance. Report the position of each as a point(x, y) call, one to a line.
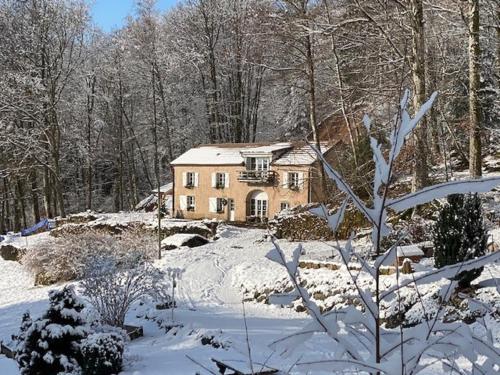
point(112, 285)
point(460, 235)
point(50, 344)
point(102, 353)
point(361, 341)
point(65, 258)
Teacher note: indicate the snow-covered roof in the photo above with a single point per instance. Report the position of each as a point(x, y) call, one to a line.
point(410, 251)
point(301, 155)
point(165, 188)
point(234, 153)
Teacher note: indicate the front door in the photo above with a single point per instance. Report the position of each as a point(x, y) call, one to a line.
point(232, 211)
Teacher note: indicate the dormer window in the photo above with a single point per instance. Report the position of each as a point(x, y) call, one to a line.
point(257, 164)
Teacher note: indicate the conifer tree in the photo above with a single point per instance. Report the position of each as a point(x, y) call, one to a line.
point(459, 235)
point(22, 355)
point(50, 344)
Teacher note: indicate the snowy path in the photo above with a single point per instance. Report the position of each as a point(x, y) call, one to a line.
point(210, 301)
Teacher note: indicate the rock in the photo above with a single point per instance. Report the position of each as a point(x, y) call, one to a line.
point(44, 279)
point(300, 308)
point(320, 296)
point(183, 239)
point(9, 252)
point(317, 265)
point(406, 268)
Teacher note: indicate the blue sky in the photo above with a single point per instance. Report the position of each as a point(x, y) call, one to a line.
point(109, 14)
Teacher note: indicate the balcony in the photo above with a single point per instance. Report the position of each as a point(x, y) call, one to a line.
point(257, 176)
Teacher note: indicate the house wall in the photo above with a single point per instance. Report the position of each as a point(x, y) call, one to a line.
point(238, 191)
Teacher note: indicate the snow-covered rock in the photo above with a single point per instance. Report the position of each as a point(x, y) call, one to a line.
point(183, 239)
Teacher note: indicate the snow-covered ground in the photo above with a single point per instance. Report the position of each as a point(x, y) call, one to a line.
point(210, 300)
point(210, 293)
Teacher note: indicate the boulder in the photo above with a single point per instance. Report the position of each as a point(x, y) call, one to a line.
point(9, 252)
point(183, 239)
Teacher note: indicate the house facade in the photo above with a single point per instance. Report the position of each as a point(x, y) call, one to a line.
point(244, 182)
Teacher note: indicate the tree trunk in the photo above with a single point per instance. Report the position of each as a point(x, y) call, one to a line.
point(420, 169)
point(47, 192)
point(34, 195)
point(156, 163)
point(312, 107)
point(475, 161)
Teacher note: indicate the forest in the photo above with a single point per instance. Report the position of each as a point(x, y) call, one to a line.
point(90, 120)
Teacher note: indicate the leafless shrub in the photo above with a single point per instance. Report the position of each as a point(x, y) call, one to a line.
point(112, 288)
point(65, 258)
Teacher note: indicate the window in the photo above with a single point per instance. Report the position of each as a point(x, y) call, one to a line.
point(216, 205)
point(293, 180)
point(257, 164)
point(190, 203)
point(190, 179)
point(262, 164)
point(220, 180)
point(258, 207)
point(250, 163)
point(284, 206)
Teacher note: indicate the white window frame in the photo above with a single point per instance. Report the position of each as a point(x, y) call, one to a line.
point(262, 164)
point(220, 180)
point(293, 180)
point(257, 163)
point(259, 207)
point(284, 206)
point(190, 179)
point(190, 203)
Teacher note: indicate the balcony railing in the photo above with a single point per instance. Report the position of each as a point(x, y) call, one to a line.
point(257, 176)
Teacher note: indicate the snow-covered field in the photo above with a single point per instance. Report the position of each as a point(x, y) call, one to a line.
point(209, 294)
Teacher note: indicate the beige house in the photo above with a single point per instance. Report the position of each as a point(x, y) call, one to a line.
point(240, 182)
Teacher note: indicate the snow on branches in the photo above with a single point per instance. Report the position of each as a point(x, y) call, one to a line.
point(362, 342)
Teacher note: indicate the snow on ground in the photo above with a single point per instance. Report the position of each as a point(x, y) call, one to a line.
point(17, 295)
point(210, 299)
point(209, 296)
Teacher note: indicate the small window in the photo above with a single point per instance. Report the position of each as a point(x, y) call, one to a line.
point(293, 180)
point(190, 203)
point(220, 180)
point(250, 164)
point(284, 206)
point(190, 179)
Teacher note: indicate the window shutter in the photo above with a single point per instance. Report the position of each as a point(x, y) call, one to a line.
point(212, 204)
point(184, 178)
point(285, 180)
point(301, 180)
point(196, 179)
point(194, 203)
point(214, 179)
point(183, 202)
point(226, 180)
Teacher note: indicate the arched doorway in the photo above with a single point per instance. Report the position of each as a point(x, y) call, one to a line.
point(257, 204)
